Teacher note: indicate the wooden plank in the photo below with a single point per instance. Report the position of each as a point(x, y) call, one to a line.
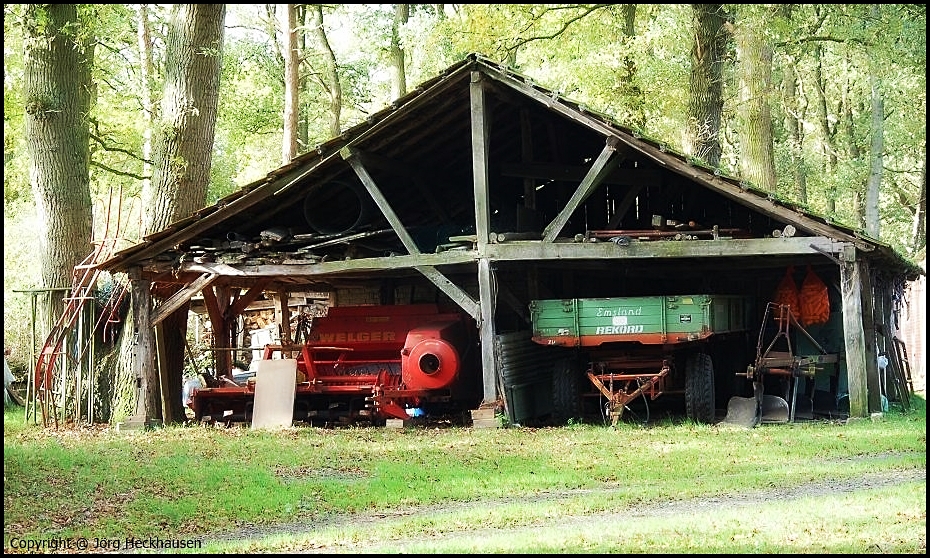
point(275, 385)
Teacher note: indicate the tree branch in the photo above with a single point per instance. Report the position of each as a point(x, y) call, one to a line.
point(521, 42)
point(118, 172)
point(106, 147)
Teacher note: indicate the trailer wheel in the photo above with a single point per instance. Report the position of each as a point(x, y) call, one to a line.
point(566, 391)
point(699, 388)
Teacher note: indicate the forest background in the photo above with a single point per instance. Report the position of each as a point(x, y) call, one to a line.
point(821, 105)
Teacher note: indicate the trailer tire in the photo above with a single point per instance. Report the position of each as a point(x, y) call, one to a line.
point(699, 388)
point(566, 391)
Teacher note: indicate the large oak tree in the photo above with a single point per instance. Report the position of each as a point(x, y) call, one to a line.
point(58, 58)
point(182, 156)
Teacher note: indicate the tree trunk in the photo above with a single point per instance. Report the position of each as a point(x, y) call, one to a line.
point(146, 73)
point(794, 115)
point(399, 83)
point(827, 132)
point(58, 59)
point(630, 91)
point(183, 143)
point(330, 73)
point(757, 160)
point(172, 336)
point(877, 150)
point(304, 108)
point(919, 229)
point(705, 98)
point(288, 16)
point(877, 147)
point(183, 149)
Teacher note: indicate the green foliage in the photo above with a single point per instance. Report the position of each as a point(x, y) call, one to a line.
point(581, 51)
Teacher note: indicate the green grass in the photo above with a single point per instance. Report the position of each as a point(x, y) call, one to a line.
point(191, 482)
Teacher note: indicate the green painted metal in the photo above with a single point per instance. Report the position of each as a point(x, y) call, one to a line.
point(670, 319)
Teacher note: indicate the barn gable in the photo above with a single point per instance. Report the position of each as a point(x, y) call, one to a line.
point(485, 190)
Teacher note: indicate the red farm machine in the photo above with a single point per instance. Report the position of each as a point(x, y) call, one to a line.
point(369, 364)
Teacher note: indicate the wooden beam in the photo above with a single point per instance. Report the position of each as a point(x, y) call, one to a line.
point(588, 184)
point(212, 305)
point(348, 155)
point(406, 169)
point(161, 365)
point(462, 298)
point(854, 335)
point(480, 130)
point(361, 265)
point(179, 298)
point(515, 251)
point(249, 297)
point(536, 250)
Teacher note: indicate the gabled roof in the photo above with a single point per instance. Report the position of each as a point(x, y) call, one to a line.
point(419, 150)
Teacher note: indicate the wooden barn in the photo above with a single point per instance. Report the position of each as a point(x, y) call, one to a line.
point(484, 192)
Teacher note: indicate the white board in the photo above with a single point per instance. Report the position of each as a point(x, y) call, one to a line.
point(275, 382)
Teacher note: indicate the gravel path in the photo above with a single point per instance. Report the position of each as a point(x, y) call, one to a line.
point(655, 509)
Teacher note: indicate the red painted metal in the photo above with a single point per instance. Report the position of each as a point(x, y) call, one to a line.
point(368, 362)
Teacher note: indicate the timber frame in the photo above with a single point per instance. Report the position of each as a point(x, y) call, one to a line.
point(485, 188)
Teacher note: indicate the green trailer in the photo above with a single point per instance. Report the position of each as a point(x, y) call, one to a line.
point(643, 347)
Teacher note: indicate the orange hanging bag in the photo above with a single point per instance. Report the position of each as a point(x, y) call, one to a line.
point(814, 299)
point(787, 292)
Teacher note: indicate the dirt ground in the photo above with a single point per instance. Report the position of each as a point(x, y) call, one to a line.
point(656, 509)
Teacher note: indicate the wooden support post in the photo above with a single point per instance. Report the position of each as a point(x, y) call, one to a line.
point(282, 314)
point(487, 302)
point(853, 333)
point(148, 410)
point(873, 384)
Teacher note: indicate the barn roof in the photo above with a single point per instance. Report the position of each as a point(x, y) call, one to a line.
point(419, 152)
